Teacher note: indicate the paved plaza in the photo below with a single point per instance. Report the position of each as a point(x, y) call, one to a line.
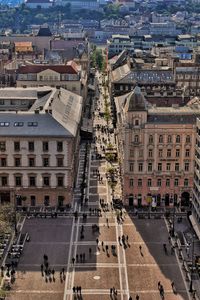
point(133, 268)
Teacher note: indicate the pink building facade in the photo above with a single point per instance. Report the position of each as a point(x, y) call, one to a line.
point(157, 150)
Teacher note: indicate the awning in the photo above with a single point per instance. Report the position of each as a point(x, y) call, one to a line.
point(195, 226)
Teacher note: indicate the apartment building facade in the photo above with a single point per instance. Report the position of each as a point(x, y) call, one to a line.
point(38, 151)
point(156, 147)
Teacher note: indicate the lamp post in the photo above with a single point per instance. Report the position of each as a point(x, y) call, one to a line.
point(191, 282)
point(173, 224)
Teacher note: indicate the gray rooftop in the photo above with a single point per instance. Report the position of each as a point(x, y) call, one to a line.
point(145, 77)
point(31, 124)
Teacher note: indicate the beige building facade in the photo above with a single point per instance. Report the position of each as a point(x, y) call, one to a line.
point(156, 146)
point(39, 150)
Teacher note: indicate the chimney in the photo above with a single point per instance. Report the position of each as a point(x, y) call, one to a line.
point(37, 111)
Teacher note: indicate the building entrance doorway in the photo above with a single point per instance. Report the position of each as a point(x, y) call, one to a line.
point(185, 199)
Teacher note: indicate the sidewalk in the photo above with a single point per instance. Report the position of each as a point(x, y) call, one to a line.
point(186, 235)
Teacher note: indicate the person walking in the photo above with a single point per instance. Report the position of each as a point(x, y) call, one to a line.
point(137, 297)
point(73, 260)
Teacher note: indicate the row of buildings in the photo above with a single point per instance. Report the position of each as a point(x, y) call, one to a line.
point(157, 131)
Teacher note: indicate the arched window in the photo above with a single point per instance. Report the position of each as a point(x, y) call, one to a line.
point(151, 139)
point(169, 139)
point(187, 140)
point(178, 139)
point(160, 138)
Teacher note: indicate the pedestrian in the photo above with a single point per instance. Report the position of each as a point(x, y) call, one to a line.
point(73, 260)
point(119, 239)
point(137, 297)
point(90, 251)
point(80, 290)
point(140, 247)
point(130, 298)
point(53, 272)
point(74, 289)
point(159, 285)
point(97, 241)
point(127, 238)
point(63, 269)
point(111, 290)
point(102, 244)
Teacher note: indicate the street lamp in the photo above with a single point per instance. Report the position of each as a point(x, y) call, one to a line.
point(191, 282)
point(173, 225)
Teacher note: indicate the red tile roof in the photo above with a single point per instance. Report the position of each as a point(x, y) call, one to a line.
point(62, 69)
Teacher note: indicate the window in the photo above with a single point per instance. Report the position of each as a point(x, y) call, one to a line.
point(59, 161)
point(149, 167)
point(176, 181)
point(131, 167)
point(160, 139)
point(150, 152)
point(169, 152)
point(136, 122)
point(60, 181)
point(45, 161)
point(160, 152)
point(18, 124)
point(4, 180)
point(140, 153)
point(178, 139)
point(33, 200)
point(149, 182)
point(136, 139)
point(131, 153)
point(159, 182)
point(17, 146)
point(2, 146)
point(131, 182)
point(45, 146)
point(187, 140)
point(187, 152)
point(176, 167)
point(140, 167)
point(168, 167)
point(18, 180)
point(177, 152)
point(17, 161)
point(169, 139)
point(139, 182)
point(187, 166)
point(32, 181)
point(167, 182)
point(31, 161)
point(186, 182)
point(59, 146)
point(46, 200)
point(159, 167)
point(3, 162)
point(150, 139)
point(46, 181)
point(31, 146)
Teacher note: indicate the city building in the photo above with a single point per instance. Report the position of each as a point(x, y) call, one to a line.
point(156, 150)
point(195, 217)
point(68, 76)
point(39, 150)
